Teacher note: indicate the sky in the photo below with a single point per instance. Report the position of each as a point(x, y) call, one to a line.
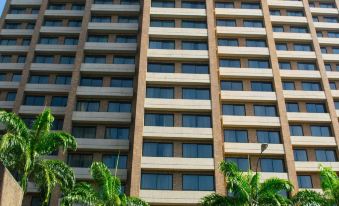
point(2, 4)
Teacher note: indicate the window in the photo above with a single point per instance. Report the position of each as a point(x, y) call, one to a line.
point(190, 45)
point(193, 5)
point(198, 182)
point(128, 19)
point(48, 40)
point(278, 29)
point(35, 100)
point(160, 120)
point(95, 59)
point(326, 5)
point(162, 23)
point(271, 165)
point(330, 19)
point(300, 155)
point(97, 38)
point(111, 161)
point(71, 41)
point(296, 130)
point(117, 133)
point(129, 2)
point(56, 7)
point(332, 34)
point(255, 43)
point(224, 5)
point(26, 42)
point(302, 47)
point(67, 59)
point(253, 23)
point(74, 23)
point(275, 12)
point(11, 96)
point(91, 81)
point(325, 155)
point(311, 86)
point(242, 163)
point(328, 67)
point(125, 83)
point(323, 50)
point(254, 63)
point(306, 66)
point(250, 5)
point(163, 4)
point(54, 23)
point(321, 131)
point(16, 78)
point(8, 42)
point(160, 68)
point(288, 86)
point(261, 86)
point(198, 121)
point(125, 39)
point(5, 58)
point(295, 13)
point(232, 85)
point(38, 79)
point(336, 103)
point(195, 68)
point(234, 109)
point(88, 106)
point(59, 101)
point(281, 46)
point(43, 59)
point(197, 151)
point(61, 79)
point(30, 25)
point(271, 137)
point(230, 63)
point(294, 29)
point(193, 24)
point(226, 22)
point(123, 60)
point(156, 181)
point(119, 107)
point(57, 124)
point(292, 107)
point(78, 7)
point(157, 149)
point(161, 44)
point(228, 42)
point(160, 92)
point(231, 135)
point(102, 1)
point(315, 107)
point(85, 132)
point(265, 110)
point(195, 93)
point(80, 160)
point(304, 181)
point(285, 65)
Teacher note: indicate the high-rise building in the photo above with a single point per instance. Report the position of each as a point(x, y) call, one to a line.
point(176, 86)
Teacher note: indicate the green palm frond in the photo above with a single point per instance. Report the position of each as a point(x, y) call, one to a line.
point(53, 140)
point(275, 185)
point(82, 193)
point(43, 123)
point(14, 124)
point(134, 201)
point(308, 198)
point(216, 200)
point(330, 184)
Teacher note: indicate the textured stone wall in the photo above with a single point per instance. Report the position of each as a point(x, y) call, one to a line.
point(11, 193)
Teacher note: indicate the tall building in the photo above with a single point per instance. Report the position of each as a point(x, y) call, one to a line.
point(176, 86)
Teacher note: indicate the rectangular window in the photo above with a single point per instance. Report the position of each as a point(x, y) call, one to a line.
point(119, 107)
point(321, 131)
point(253, 23)
point(195, 93)
point(325, 155)
point(91, 81)
point(156, 181)
point(232, 85)
point(88, 106)
point(311, 86)
point(193, 5)
point(230, 63)
point(292, 107)
point(304, 181)
point(285, 65)
point(54, 23)
point(302, 47)
point(295, 29)
point(288, 86)
point(255, 43)
point(44, 59)
point(101, 19)
point(128, 19)
point(316, 107)
point(38, 79)
point(160, 67)
point(234, 109)
point(71, 41)
point(97, 38)
point(160, 92)
point(300, 155)
point(124, 60)
point(296, 130)
point(231, 135)
point(265, 110)
point(117, 133)
point(111, 161)
point(242, 163)
point(278, 29)
point(195, 68)
point(35, 100)
point(224, 5)
point(59, 101)
point(160, 120)
point(271, 137)
point(281, 46)
point(16, 78)
point(157, 149)
point(198, 121)
point(126, 39)
point(162, 23)
point(125, 83)
point(295, 13)
point(84, 132)
point(66, 80)
point(98, 59)
point(271, 165)
point(10, 96)
point(197, 182)
point(80, 160)
point(161, 44)
point(228, 42)
point(258, 64)
point(306, 66)
point(163, 4)
point(261, 86)
point(226, 22)
point(250, 5)
point(190, 45)
point(48, 40)
point(67, 60)
point(193, 24)
point(197, 151)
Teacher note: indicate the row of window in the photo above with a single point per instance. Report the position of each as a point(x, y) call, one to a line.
point(259, 110)
point(321, 155)
point(98, 59)
point(168, 93)
point(123, 2)
point(185, 45)
point(121, 19)
point(60, 23)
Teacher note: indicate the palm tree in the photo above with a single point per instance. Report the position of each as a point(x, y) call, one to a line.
point(22, 151)
point(245, 189)
point(330, 187)
point(107, 191)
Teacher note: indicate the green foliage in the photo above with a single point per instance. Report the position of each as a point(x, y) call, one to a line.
point(22, 151)
point(106, 193)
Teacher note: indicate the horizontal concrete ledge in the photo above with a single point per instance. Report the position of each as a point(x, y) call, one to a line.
point(181, 133)
point(113, 26)
point(25, 109)
point(52, 88)
point(248, 96)
point(69, 13)
point(292, 36)
point(4, 48)
point(177, 163)
point(252, 148)
point(313, 141)
point(177, 32)
point(84, 173)
point(324, 10)
point(102, 144)
point(245, 72)
point(52, 67)
point(225, 12)
point(25, 2)
point(108, 68)
point(11, 66)
point(244, 51)
point(303, 95)
point(61, 29)
point(177, 12)
point(315, 166)
point(178, 78)
point(171, 197)
point(168, 54)
point(335, 93)
point(309, 55)
point(326, 25)
point(104, 91)
point(117, 8)
point(330, 57)
point(300, 74)
point(308, 117)
point(56, 48)
point(250, 121)
point(177, 104)
point(328, 41)
point(21, 32)
point(241, 31)
point(6, 104)
point(121, 47)
point(103, 117)
point(9, 85)
point(289, 19)
point(285, 4)
point(268, 175)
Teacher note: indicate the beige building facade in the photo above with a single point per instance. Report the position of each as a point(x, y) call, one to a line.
point(177, 86)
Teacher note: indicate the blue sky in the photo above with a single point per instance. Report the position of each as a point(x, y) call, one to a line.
point(2, 4)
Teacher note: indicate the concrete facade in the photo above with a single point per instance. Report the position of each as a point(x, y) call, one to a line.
point(11, 193)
